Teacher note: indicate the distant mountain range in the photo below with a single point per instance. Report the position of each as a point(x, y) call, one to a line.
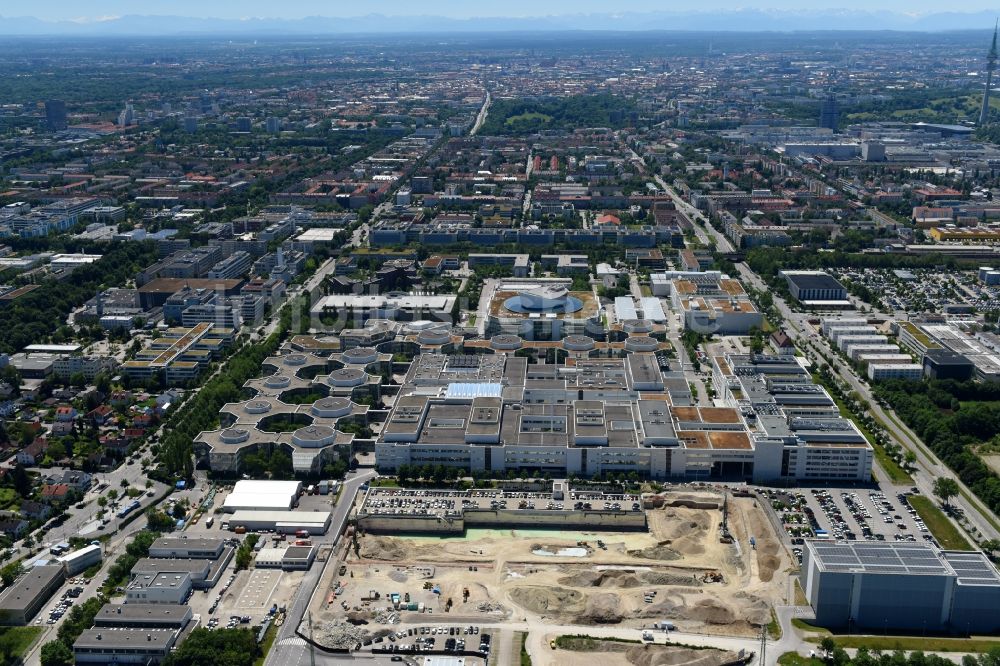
point(743, 20)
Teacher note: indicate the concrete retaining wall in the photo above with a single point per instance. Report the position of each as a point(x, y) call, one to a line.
point(513, 518)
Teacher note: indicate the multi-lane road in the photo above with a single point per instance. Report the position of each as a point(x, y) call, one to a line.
point(289, 649)
point(929, 467)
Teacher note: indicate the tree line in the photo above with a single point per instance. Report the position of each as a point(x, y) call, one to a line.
point(952, 418)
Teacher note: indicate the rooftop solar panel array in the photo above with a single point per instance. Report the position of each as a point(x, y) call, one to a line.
point(887, 558)
point(973, 569)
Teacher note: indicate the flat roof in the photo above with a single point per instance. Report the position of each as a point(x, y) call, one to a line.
point(290, 517)
point(902, 558)
point(159, 565)
point(812, 280)
point(146, 639)
point(188, 543)
point(158, 612)
point(24, 592)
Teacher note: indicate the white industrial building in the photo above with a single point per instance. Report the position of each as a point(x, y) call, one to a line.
point(288, 522)
point(81, 560)
point(262, 496)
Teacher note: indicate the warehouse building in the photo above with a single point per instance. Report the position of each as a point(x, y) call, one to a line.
point(901, 586)
point(102, 645)
point(143, 616)
point(204, 573)
point(188, 547)
point(262, 496)
point(20, 602)
point(816, 288)
point(286, 522)
point(292, 558)
point(81, 560)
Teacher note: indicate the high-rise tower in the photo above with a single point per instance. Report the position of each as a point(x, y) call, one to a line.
point(991, 64)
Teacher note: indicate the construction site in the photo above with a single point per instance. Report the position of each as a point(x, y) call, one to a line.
point(708, 561)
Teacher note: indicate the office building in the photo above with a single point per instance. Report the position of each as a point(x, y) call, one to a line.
point(234, 266)
point(499, 413)
point(162, 588)
point(55, 115)
point(829, 113)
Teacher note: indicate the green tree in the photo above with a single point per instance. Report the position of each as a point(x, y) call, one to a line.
point(159, 521)
point(21, 480)
point(10, 573)
point(224, 647)
point(945, 487)
point(55, 653)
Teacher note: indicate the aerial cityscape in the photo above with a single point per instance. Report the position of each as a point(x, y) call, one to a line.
point(524, 337)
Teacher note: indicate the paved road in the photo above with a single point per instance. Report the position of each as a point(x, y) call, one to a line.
point(287, 651)
point(483, 113)
point(929, 466)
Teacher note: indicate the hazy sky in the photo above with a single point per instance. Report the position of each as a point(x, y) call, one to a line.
point(96, 9)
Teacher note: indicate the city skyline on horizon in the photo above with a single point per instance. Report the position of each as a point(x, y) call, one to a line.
point(105, 10)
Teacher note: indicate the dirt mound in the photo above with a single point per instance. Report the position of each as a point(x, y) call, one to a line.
point(768, 559)
point(661, 655)
point(753, 609)
point(660, 578)
point(383, 548)
point(548, 600)
point(604, 608)
point(710, 611)
point(661, 551)
point(766, 566)
point(618, 579)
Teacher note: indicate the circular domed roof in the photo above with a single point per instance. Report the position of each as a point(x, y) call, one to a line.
point(277, 381)
point(505, 342)
point(314, 436)
point(295, 359)
point(637, 325)
point(642, 343)
point(434, 336)
point(331, 407)
point(347, 377)
point(235, 435)
point(360, 355)
point(548, 298)
point(420, 325)
point(578, 342)
point(257, 407)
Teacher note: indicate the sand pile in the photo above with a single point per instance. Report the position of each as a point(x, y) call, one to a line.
point(662, 655)
point(604, 608)
point(661, 578)
point(383, 548)
point(548, 600)
point(661, 551)
point(768, 559)
point(617, 579)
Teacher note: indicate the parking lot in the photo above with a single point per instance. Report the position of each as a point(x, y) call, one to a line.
point(60, 605)
point(858, 514)
point(851, 514)
point(437, 638)
point(257, 591)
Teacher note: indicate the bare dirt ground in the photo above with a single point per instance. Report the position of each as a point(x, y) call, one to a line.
point(609, 653)
point(677, 570)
